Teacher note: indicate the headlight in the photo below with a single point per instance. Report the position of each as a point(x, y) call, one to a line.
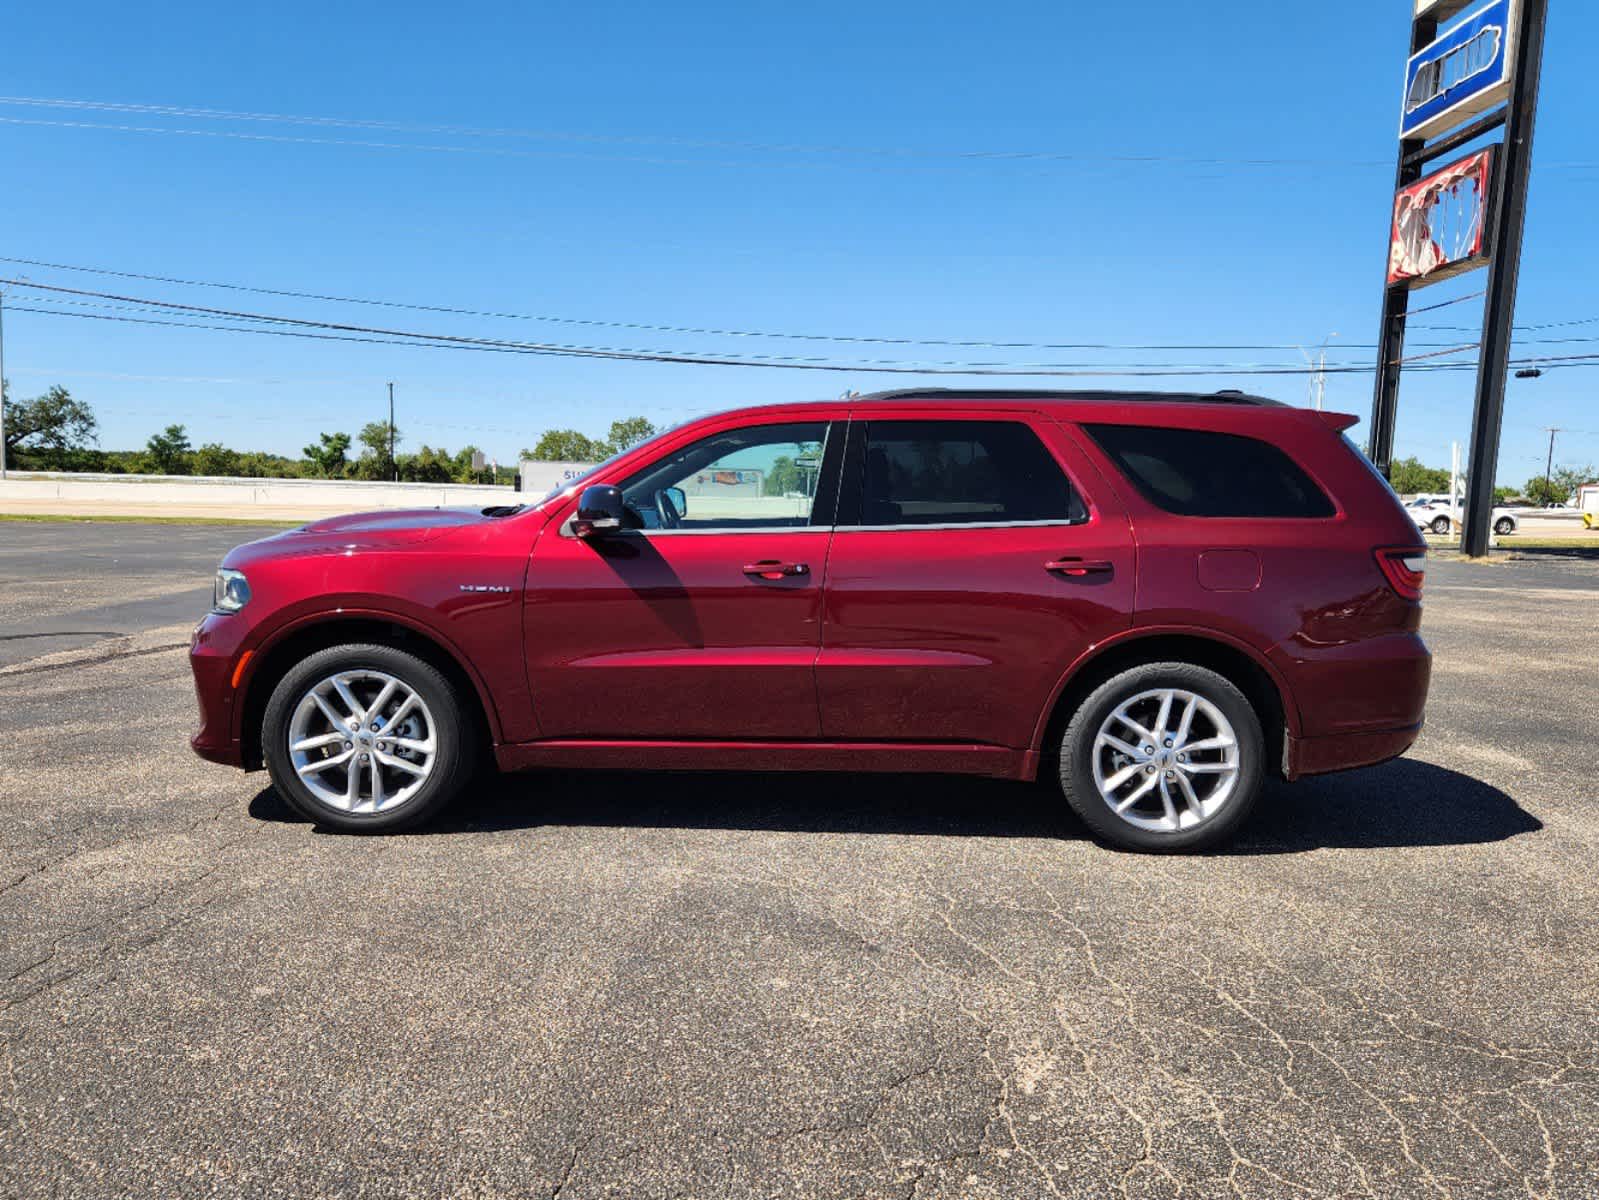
point(230, 592)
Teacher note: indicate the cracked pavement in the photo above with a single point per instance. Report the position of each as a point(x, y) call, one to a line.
point(749, 985)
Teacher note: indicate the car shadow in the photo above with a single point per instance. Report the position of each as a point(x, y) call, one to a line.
point(1401, 803)
point(1546, 553)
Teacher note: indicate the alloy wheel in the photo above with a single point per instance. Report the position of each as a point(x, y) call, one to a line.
point(1166, 760)
point(362, 741)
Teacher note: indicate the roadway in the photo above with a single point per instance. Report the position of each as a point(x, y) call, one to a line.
point(738, 985)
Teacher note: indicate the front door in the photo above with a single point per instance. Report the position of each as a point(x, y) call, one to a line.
point(702, 620)
point(967, 573)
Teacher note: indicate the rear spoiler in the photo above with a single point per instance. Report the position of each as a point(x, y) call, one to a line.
point(1338, 421)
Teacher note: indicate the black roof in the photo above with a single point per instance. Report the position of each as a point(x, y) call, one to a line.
point(1228, 396)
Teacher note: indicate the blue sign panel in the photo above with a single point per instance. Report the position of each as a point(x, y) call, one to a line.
point(1466, 71)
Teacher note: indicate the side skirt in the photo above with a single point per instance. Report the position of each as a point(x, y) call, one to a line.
point(996, 762)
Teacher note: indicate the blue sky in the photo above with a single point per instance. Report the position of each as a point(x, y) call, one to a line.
point(630, 216)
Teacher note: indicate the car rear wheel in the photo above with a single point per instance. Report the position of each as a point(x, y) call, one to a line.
point(366, 738)
point(1163, 757)
point(1440, 525)
point(1504, 525)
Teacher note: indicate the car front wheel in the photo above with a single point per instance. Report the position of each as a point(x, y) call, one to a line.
point(1440, 525)
point(1163, 757)
point(1504, 525)
point(366, 738)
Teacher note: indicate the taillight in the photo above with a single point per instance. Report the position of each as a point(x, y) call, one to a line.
point(1405, 570)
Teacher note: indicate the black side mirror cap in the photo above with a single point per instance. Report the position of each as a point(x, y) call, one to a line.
point(599, 510)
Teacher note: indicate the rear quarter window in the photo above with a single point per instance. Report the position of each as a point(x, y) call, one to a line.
point(1201, 473)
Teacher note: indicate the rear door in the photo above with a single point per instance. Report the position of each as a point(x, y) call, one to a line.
point(977, 555)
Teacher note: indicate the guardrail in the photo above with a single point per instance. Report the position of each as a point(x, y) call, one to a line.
point(58, 491)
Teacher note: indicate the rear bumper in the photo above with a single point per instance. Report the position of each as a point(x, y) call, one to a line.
point(1344, 751)
point(1374, 685)
point(1360, 703)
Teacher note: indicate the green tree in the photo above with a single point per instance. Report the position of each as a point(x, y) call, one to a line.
point(794, 474)
point(48, 428)
point(1408, 476)
point(461, 465)
point(1572, 478)
point(214, 458)
point(328, 456)
point(1561, 484)
point(567, 445)
point(427, 465)
point(626, 434)
point(256, 465)
point(167, 452)
point(376, 461)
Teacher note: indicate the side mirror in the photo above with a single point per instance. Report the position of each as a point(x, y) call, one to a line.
point(599, 510)
point(679, 500)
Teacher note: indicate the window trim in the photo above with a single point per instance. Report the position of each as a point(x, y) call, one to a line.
point(824, 512)
point(852, 485)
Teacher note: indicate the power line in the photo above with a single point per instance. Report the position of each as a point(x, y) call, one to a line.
point(773, 335)
point(247, 321)
point(307, 330)
point(649, 327)
point(145, 304)
point(197, 112)
point(696, 143)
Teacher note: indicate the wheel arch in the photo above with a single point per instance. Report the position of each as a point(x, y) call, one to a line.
point(1235, 661)
point(277, 655)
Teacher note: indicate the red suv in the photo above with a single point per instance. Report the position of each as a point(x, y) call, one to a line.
point(1155, 598)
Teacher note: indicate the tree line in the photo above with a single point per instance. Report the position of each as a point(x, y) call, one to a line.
point(58, 432)
point(1410, 476)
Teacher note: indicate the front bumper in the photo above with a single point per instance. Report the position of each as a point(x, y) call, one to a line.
point(212, 658)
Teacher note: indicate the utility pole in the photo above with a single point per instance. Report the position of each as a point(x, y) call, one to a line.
point(1549, 464)
point(1316, 389)
point(2, 387)
point(394, 465)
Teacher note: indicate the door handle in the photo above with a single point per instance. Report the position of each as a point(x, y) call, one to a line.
point(771, 568)
point(1076, 568)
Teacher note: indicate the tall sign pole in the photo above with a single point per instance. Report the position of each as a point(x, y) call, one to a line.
point(1395, 299)
point(1469, 73)
point(1504, 268)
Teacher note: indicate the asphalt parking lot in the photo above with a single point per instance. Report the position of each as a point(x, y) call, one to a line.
point(630, 985)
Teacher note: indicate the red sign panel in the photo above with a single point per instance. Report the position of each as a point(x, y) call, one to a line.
point(1441, 222)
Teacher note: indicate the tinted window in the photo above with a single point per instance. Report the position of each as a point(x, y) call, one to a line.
point(1197, 473)
point(756, 477)
point(960, 473)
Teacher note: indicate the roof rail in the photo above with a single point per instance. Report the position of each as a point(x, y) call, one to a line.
point(1225, 396)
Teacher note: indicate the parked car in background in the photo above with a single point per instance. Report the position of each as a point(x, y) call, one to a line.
point(1152, 600)
point(1440, 517)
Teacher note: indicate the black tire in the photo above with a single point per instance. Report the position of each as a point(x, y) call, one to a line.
point(1440, 525)
point(454, 757)
point(1504, 525)
point(1077, 751)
